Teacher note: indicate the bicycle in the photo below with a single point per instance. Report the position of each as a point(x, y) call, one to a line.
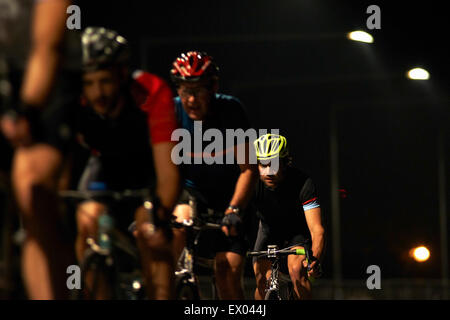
point(107, 255)
point(274, 290)
point(187, 283)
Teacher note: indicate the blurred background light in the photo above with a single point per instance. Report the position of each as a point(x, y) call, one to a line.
point(360, 36)
point(418, 74)
point(420, 254)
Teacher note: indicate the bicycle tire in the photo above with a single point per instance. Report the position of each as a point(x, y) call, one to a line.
point(272, 295)
point(84, 293)
point(290, 293)
point(186, 290)
point(97, 264)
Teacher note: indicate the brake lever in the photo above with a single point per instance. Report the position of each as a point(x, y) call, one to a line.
point(310, 259)
point(309, 255)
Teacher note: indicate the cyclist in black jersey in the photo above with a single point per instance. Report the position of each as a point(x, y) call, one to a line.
point(126, 120)
point(288, 209)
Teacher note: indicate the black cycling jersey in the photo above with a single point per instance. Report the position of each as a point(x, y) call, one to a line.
point(122, 144)
point(282, 210)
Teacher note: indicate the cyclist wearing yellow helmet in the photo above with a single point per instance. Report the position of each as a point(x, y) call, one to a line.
point(288, 209)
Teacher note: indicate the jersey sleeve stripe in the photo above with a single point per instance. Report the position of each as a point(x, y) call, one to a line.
point(310, 200)
point(311, 205)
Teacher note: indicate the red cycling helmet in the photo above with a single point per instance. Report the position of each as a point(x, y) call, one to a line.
point(194, 66)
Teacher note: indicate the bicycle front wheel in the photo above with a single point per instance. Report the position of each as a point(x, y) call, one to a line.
point(272, 294)
point(186, 290)
point(96, 279)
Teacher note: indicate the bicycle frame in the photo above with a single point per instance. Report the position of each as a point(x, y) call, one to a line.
point(274, 254)
point(273, 282)
point(104, 251)
point(188, 261)
point(104, 255)
point(187, 256)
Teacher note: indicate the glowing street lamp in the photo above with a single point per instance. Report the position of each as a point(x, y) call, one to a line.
point(420, 254)
point(360, 36)
point(418, 74)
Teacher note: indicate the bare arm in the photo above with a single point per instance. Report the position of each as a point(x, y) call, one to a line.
point(48, 28)
point(245, 183)
point(314, 221)
point(244, 187)
point(167, 175)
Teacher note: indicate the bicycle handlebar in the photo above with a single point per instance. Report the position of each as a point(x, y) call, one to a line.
point(281, 252)
point(208, 225)
point(199, 225)
point(274, 253)
point(115, 195)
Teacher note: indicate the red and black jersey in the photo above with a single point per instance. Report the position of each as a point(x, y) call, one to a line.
point(155, 98)
point(124, 143)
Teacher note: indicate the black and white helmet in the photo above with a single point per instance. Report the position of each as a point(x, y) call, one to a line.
point(103, 48)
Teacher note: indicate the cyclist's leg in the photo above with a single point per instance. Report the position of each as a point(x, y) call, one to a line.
point(87, 223)
point(229, 269)
point(46, 254)
point(182, 212)
point(157, 259)
point(87, 226)
point(297, 272)
point(229, 265)
point(261, 267)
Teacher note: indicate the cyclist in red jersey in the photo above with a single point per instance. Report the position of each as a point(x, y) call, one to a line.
point(127, 120)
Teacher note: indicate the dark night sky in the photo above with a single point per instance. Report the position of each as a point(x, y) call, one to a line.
point(290, 64)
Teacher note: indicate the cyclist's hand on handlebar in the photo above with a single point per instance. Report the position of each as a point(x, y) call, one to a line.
point(315, 268)
point(153, 235)
point(17, 131)
point(231, 224)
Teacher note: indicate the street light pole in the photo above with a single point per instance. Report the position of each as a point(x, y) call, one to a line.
point(335, 205)
point(442, 208)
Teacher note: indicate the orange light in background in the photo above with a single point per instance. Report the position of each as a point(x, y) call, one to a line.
point(420, 254)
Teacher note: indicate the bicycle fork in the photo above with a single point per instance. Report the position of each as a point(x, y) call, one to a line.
point(273, 282)
point(186, 261)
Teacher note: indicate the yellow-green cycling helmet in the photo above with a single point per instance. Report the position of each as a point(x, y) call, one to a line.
point(270, 146)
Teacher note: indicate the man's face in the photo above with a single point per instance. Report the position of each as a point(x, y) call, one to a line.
point(101, 89)
point(271, 172)
point(195, 98)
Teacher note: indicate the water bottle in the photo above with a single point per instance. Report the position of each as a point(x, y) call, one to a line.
point(105, 225)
